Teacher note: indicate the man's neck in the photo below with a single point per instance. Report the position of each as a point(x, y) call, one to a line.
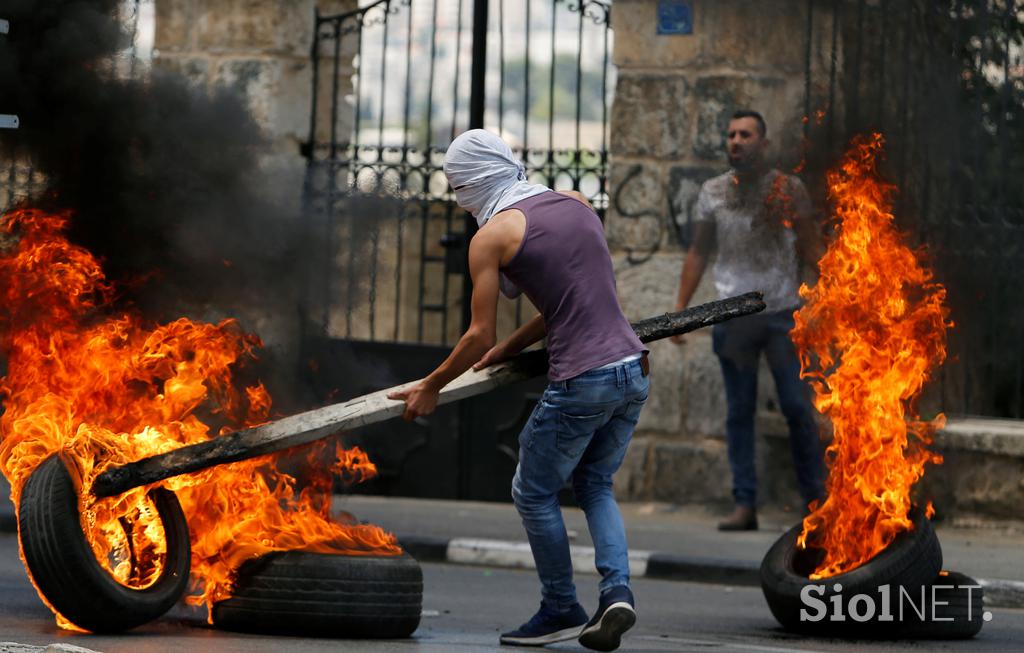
point(752, 173)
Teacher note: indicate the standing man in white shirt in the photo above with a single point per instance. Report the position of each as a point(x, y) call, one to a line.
point(761, 221)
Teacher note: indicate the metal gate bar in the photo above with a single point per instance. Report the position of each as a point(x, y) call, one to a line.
point(388, 273)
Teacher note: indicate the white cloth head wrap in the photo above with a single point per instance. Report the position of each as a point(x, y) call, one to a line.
point(485, 174)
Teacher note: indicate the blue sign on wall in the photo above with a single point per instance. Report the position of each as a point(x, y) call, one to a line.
point(675, 16)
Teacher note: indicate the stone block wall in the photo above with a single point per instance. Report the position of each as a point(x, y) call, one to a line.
point(673, 99)
point(261, 48)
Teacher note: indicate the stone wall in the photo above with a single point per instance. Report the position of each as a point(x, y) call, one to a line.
point(673, 99)
point(261, 48)
point(980, 481)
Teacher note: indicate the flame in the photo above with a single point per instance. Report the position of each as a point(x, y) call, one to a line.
point(872, 330)
point(818, 117)
point(104, 388)
point(779, 202)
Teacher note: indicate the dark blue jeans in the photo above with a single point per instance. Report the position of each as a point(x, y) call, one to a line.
point(738, 344)
point(580, 430)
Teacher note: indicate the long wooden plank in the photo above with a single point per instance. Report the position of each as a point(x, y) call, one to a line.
point(376, 407)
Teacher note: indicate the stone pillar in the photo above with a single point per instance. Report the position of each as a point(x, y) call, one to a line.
point(673, 99)
point(261, 48)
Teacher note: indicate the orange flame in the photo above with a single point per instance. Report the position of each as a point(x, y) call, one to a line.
point(780, 203)
point(872, 330)
point(103, 389)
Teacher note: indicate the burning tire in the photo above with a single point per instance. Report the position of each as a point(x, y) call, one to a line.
point(65, 569)
point(304, 593)
point(956, 611)
point(912, 561)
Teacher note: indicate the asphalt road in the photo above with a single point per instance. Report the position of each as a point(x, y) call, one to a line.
point(465, 608)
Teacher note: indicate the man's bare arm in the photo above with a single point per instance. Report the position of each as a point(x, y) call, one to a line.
point(810, 246)
point(695, 263)
point(484, 257)
point(522, 338)
point(693, 266)
point(526, 335)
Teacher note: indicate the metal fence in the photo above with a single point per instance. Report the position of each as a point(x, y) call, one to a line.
point(393, 83)
point(944, 83)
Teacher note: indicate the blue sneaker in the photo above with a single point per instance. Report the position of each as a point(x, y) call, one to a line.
point(615, 615)
point(547, 627)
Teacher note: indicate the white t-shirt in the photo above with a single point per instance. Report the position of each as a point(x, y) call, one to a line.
point(754, 232)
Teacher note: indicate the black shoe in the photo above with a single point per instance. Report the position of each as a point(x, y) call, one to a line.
point(547, 627)
point(615, 615)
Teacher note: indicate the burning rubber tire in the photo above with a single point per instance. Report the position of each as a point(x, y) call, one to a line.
point(957, 611)
point(304, 593)
point(912, 561)
point(65, 569)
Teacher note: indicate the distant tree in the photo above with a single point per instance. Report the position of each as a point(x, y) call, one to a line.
point(589, 89)
point(989, 36)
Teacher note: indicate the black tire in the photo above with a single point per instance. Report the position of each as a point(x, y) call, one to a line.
point(956, 613)
point(912, 561)
point(325, 595)
point(65, 569)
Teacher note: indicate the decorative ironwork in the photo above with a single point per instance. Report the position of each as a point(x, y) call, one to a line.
point(391, 89)
point(590, 10)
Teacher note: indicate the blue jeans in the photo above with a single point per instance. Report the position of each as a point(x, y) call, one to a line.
point(738, 344)
point(579, 430)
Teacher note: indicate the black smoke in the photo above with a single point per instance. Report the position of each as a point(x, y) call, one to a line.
point(163, 178)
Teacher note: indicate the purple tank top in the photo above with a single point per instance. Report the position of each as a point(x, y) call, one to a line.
point(564, 267)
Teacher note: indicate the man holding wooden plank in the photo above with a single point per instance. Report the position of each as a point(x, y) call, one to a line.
point(551, 245)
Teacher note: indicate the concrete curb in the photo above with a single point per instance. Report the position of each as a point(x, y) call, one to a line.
point(642, 564)
point(999, 593)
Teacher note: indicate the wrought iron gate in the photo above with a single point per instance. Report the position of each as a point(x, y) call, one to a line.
point(393, 83)
point(944, 83)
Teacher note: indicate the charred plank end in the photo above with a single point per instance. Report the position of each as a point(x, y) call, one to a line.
point(305, 427)
point(375, 407)
point(698, 317)
point(240, 445)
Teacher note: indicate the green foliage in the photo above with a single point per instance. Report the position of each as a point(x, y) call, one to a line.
point(989, 40)
point(589, 82)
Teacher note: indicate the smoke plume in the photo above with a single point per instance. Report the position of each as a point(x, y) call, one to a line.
point(163, 177)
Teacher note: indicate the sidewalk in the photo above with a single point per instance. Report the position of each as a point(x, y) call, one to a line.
point(666, 541)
